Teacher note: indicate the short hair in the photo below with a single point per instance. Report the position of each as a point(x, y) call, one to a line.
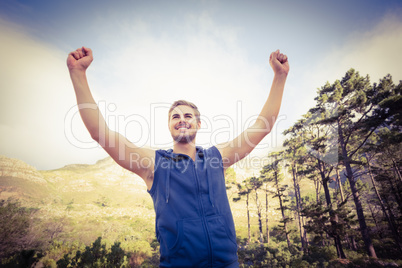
point(186, 103)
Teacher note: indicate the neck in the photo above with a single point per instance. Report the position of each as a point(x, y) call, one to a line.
point(185, 148)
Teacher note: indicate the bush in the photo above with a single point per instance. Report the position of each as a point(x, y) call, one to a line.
point(15, 235)
point(25, 258)
point(320, 255)
point(96, 256)
point(49, 263)
point(267, 255)
point(300, 264)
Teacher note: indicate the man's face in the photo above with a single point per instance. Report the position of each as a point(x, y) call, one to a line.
point(183, 124)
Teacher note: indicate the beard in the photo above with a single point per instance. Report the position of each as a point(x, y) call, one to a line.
point(184, 138)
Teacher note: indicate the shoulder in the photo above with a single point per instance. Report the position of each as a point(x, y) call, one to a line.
point(163, 153)
point(209, 152)
point(213, 156)
point(213, 151)
point(161, 156)
point(218, 151)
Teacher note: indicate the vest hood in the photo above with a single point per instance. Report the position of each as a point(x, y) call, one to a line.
point(170, 158)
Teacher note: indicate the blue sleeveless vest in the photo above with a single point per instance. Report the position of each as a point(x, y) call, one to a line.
point(194, 223)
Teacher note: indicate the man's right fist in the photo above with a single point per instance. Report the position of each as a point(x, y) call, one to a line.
point(79, 59)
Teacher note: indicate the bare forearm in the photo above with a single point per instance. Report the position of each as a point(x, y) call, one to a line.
point(270, 110)
point(129, 156)
point(252, 136)
point(89, 111)
point(243, 144)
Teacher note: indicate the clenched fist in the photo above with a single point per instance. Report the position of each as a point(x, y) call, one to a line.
point(279, 62)
point(79, 59)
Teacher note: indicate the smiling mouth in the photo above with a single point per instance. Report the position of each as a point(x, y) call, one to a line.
point(182, 126)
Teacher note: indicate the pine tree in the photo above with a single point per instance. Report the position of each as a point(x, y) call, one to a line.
point(295, 154)
point(271, 173)
point(350, 104)
point(256, 183)
point(244, 189)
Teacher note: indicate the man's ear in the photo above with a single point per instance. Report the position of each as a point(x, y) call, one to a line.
point(199, 124)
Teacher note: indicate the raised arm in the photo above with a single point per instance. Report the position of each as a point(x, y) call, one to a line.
point(243, 144)
point(126, 154)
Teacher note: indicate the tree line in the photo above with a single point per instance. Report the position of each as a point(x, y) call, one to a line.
point(351, 138)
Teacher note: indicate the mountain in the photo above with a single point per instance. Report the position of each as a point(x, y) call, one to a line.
point(79, 182)
point(101, 199)
point(81, 201)
point(21, 181)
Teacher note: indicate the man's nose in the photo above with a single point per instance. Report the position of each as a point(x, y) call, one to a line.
point(183, 118)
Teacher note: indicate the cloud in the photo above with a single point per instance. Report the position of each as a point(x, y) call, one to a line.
point(135, 77)
point(139, 69)
point(375, 52)
point(35, 95)
point(203, 64)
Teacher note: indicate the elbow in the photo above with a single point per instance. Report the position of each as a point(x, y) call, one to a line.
point(266, 131)
point(96, 135)
point(263, 127)
point(100, 136)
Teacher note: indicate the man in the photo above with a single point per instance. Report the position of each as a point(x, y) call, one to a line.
point(194, 224)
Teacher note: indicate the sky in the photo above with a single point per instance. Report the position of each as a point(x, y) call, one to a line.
point(148, 54)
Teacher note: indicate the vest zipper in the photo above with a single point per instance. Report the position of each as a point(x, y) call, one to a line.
point(204, 221)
